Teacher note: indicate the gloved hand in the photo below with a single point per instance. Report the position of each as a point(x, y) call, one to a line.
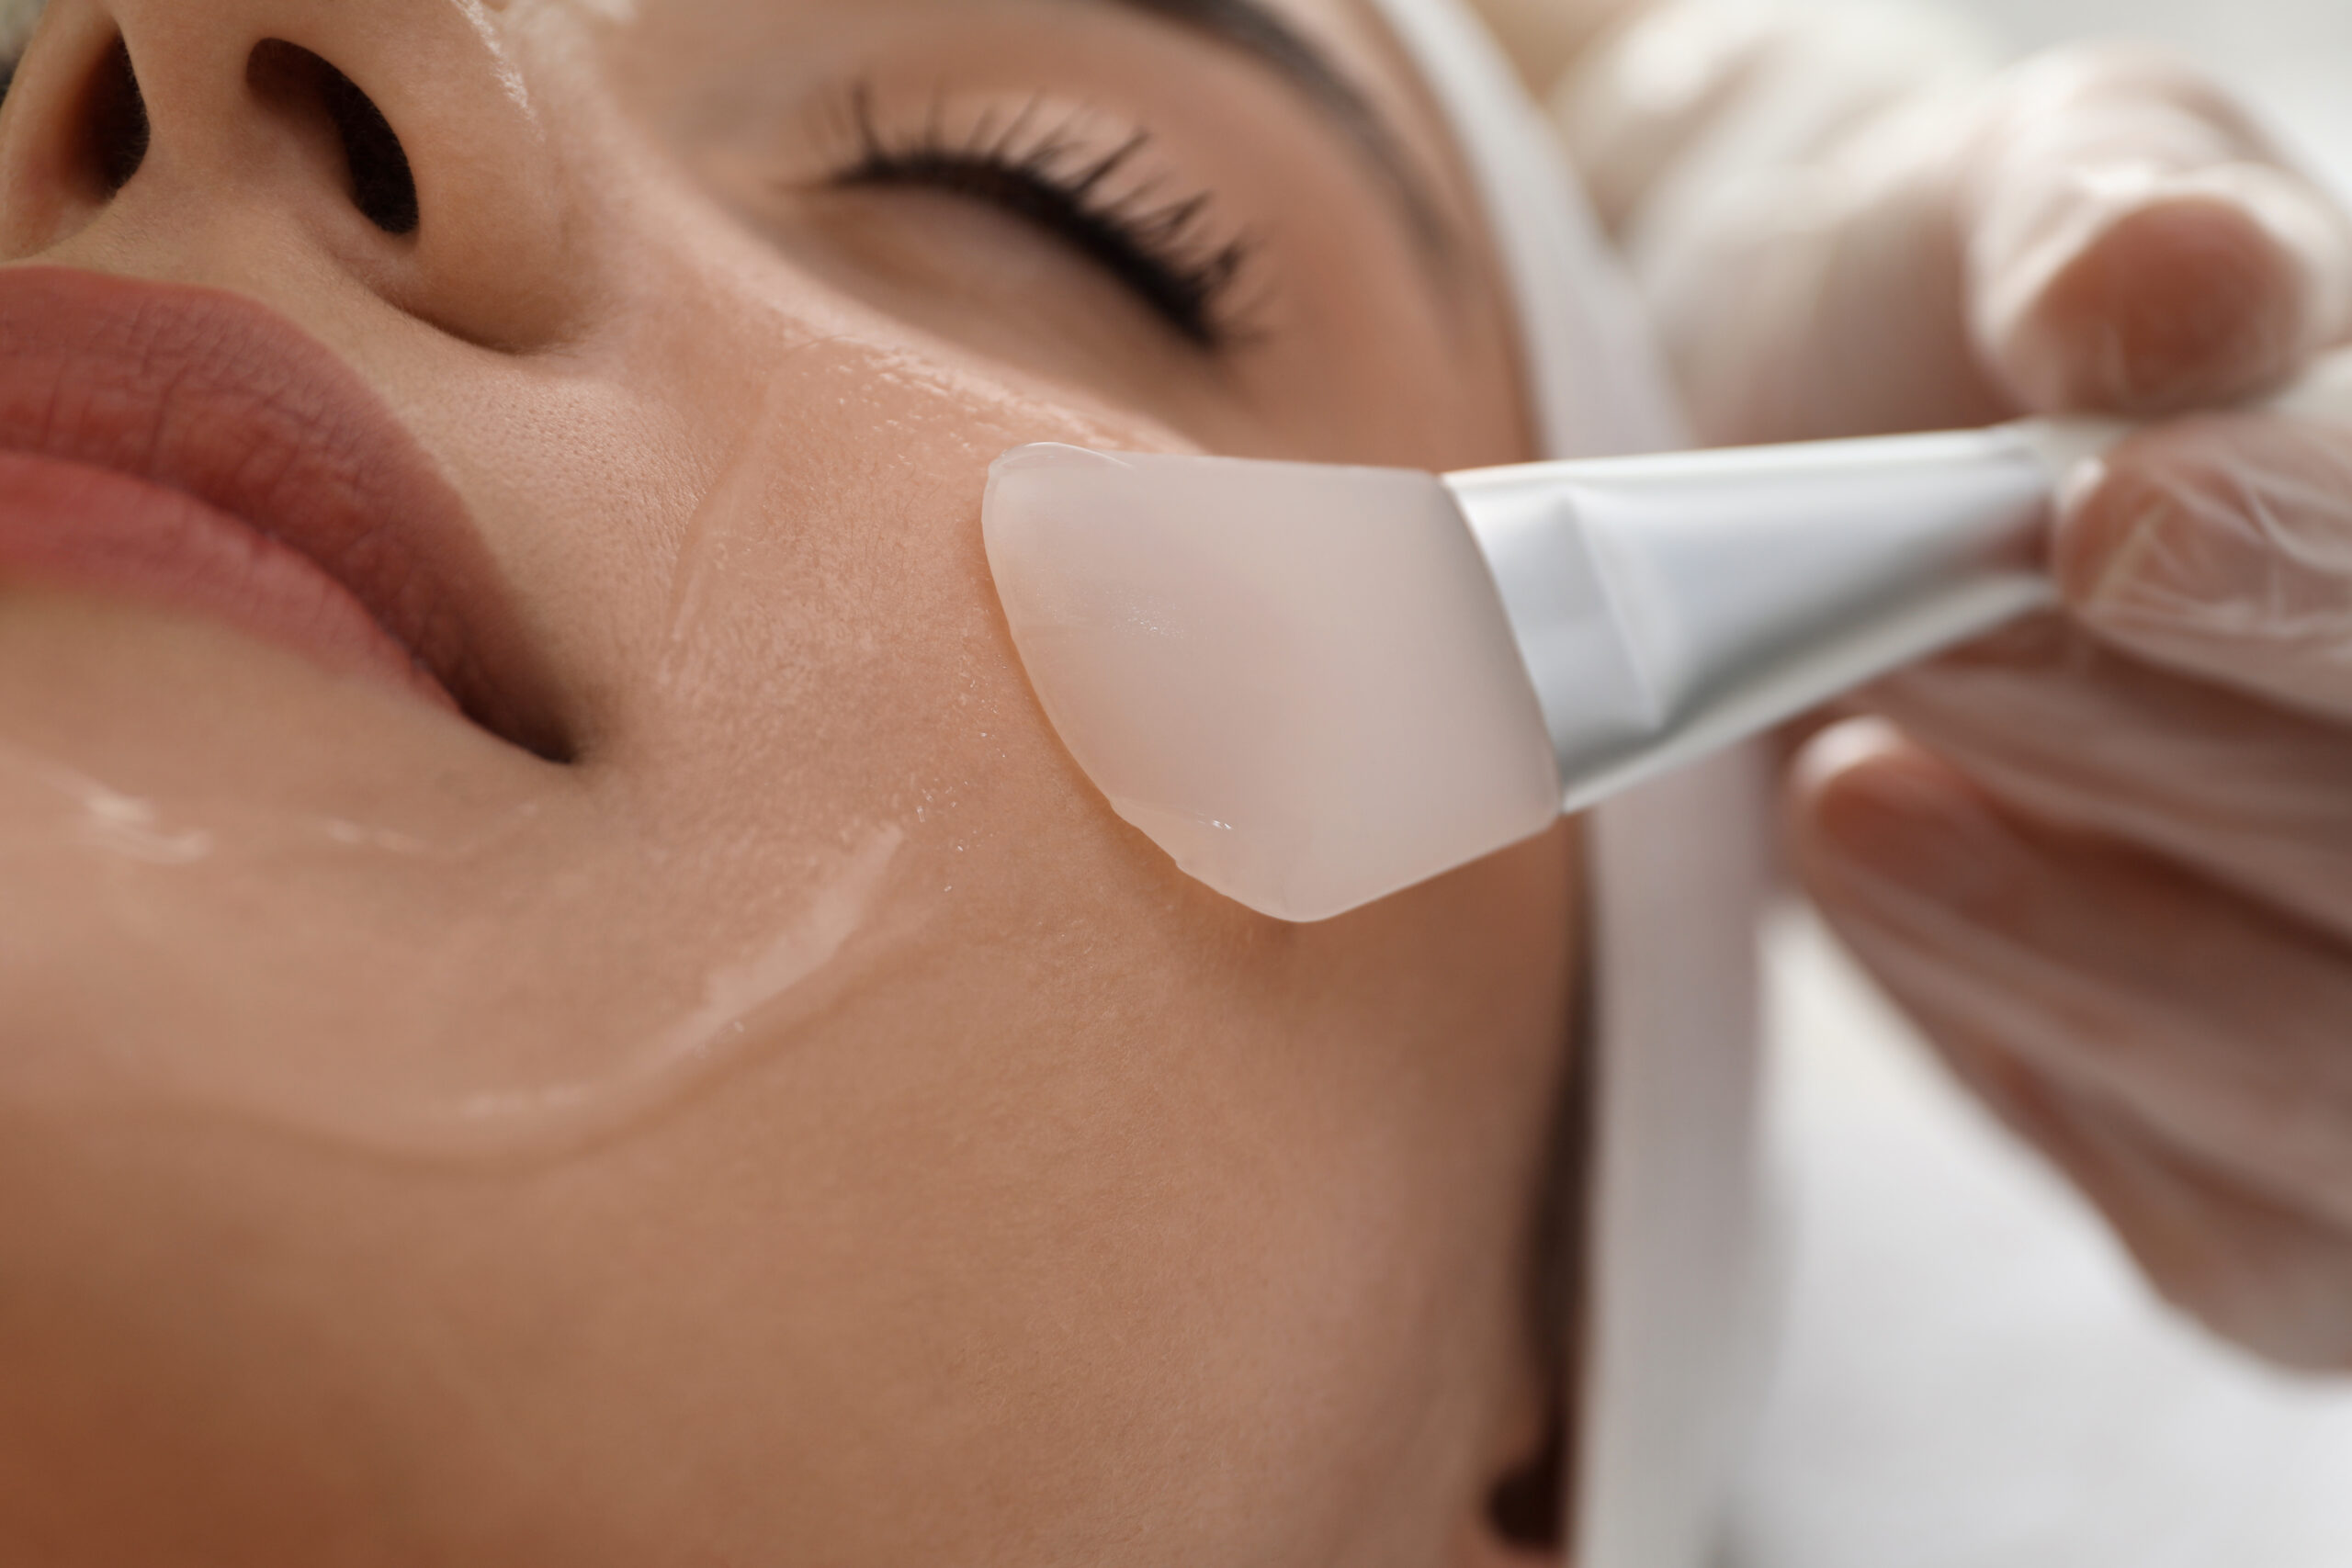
point(1845, 225)
point(2105, 859)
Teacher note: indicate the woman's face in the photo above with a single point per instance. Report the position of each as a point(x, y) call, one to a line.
point(605, 1027)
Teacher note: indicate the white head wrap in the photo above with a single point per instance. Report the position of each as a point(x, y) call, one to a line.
point(1672, 1327)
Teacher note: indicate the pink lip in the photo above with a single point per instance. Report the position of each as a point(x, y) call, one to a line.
point(190, 448)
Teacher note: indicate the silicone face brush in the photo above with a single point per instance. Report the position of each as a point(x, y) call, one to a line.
point(1314, 686)
point(1298, 680)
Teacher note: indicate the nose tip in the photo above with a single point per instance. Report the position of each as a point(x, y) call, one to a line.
point(289, 81)
point(192, 141)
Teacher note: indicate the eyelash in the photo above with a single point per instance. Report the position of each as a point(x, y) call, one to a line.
point(1037, 173)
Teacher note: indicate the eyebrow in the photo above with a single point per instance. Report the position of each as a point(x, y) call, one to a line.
point(1248, 26)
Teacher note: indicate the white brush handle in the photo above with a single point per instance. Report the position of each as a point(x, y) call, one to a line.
point(1670, 606)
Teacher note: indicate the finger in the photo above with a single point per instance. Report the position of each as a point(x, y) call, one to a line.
point(2269, 1277)
point(2076, 736)
point(2214, 1022)
point(2137, 245)
point(2221, 546)
point(1783, 181)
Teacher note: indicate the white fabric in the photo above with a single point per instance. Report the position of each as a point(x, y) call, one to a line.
point(1595, 377)
point(1671, 1321)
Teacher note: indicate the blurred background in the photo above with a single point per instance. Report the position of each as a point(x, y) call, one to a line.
point(1972, 1375)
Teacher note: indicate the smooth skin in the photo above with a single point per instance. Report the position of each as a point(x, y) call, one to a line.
point(1065, 1213)
point(1043, 1209)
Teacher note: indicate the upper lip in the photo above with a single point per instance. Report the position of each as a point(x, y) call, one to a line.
point(214, 395)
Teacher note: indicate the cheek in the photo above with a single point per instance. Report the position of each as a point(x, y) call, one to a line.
point(812, 746)
point(818, 653)
point(1146, 1218)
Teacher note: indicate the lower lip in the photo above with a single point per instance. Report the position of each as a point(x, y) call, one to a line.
point(79, 529)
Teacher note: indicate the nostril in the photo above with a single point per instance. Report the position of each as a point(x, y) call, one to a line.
point(118, 127)
point(382, 185)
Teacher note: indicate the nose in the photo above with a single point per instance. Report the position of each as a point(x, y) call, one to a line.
point(392, 143)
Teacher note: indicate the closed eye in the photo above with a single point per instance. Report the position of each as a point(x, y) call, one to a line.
point(1041, 172)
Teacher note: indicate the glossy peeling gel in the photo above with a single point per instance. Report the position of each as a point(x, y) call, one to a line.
point(1299, 680)
point(1314, 686)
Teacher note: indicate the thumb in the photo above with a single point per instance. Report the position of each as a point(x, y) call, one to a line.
point(2136, 245)
point(2220, 546)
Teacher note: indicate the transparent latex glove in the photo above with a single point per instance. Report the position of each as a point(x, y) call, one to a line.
point(1846, 224)
point(2106, 860)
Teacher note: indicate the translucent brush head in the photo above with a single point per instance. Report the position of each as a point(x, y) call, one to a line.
point(1297, 680)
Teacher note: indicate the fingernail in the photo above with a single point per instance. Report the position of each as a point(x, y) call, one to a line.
point(2135, 288)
